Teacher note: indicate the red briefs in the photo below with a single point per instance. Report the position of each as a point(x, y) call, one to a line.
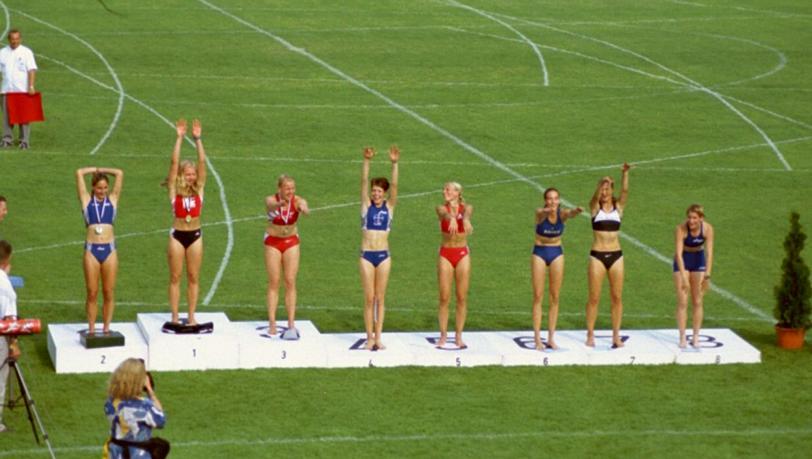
point(281, 243)
point(454, 254)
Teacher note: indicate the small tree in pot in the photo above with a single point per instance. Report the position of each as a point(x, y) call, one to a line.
point(792, 307)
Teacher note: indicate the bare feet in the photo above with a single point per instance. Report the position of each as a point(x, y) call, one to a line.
point(682, 343)
point(617, 344)
point(551, 345)
point(272, 328)
point(370, 344)
point(460, 344)
point(539, 345)
point(174, 319)
point(379, 345)
point(590, 340)
point(441, 342)
point(695, 342)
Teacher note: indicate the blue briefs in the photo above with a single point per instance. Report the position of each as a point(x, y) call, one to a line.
point(548, 253)
point(694, 262)
point(376, 257)
point(100, 251)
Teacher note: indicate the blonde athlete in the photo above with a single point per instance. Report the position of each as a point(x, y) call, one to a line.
point(454, 262)
point(606, 256)
point(186, 182)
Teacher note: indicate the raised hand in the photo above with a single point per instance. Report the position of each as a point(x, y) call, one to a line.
point(369, 152)
point(626, 167)
point(197, 128)
point(394, 153)
point(180, 127)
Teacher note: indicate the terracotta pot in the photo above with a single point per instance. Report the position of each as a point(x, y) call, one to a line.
point(790, 338)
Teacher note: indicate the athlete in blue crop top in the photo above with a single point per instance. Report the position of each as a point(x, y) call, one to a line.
point(376, 217)
point(548, 256)
point(606, 256)
point(100, 258)
point(693, 262)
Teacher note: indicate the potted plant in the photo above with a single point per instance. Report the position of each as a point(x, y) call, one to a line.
point(792, 294)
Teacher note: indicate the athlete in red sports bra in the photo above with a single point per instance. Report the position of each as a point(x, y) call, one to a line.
point(282, 247)
point(453, 262)
point(186, 181)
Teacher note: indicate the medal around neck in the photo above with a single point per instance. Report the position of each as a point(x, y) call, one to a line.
point(188, 219)
point(98, 229)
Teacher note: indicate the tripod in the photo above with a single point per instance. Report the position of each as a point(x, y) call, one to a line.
point(25, 398)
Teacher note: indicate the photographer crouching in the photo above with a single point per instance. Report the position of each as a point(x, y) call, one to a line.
point(8, 311)
point(133, 410)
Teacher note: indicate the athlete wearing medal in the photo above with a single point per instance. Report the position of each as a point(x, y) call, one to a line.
point(186, 181)
point(100, 257)
point(282, 247)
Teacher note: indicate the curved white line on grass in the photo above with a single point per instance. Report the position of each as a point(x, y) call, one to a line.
point(411, 113)
point(7, 27)
point(530, 42)
point(468, 437)
point(690, 82)
point(782, 58)
point(647, 74)
point(226, 211)
point(119, 87)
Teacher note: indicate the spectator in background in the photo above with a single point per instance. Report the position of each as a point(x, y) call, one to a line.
point(19, 71)
point(8, 310)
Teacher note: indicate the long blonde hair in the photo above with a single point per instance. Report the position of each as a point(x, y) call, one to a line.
point(183, 188)
point(697, 209)
point(458, 187)
point(127, 381)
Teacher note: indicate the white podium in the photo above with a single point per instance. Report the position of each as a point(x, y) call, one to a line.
point(347, 350)
point(170, 352)
point(519, 348)
point(480, 350)
point(69, 356)
point(260, 350)
point(716, 346)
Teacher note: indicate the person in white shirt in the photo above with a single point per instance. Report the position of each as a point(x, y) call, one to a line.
point(8, 310)
point(19, 71)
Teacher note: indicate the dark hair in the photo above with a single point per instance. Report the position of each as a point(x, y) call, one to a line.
point(12, 31)
point(98, 177)
point(5, 251)
point(549, 190)
point(3, 198)
point(381, 182)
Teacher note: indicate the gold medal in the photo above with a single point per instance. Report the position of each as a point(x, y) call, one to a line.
point(188, 219)
point(98, 229)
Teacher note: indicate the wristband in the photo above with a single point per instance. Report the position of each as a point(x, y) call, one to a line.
point(197, 138)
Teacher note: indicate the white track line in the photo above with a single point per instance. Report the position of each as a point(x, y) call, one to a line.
point(119, 87)
point(680, 2)
point(226, 211)
point(485, 157)
point(7, 26)
point(650, 75)
point(690, 82)
point(532, 44)
point(467, 437)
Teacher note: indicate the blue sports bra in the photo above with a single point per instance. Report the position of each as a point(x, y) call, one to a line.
point(99, 213)
point(376, 218)
point(694, 241)
point(548, 229)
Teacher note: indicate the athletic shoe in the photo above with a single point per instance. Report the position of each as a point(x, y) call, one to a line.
point(3, 428)
point(23, 146)
point(5, 144)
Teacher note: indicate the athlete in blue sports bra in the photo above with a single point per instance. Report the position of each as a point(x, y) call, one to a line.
point(606, 256)
point(548, 256)
point(693, 262)
point(100, 258)
point(376, 219)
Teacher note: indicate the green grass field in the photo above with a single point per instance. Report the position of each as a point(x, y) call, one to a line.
point(709, 99)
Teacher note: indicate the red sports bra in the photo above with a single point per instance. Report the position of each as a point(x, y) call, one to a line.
point(460, 214)
point(285, 215)
point(187, 206)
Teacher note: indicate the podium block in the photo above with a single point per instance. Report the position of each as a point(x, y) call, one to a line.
point(260, 350)
point(347, 350)
point(480, 350)
point(716, 346)
point(172, 352)
point(640, 348)
point(519, 348)
point(70, 356)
